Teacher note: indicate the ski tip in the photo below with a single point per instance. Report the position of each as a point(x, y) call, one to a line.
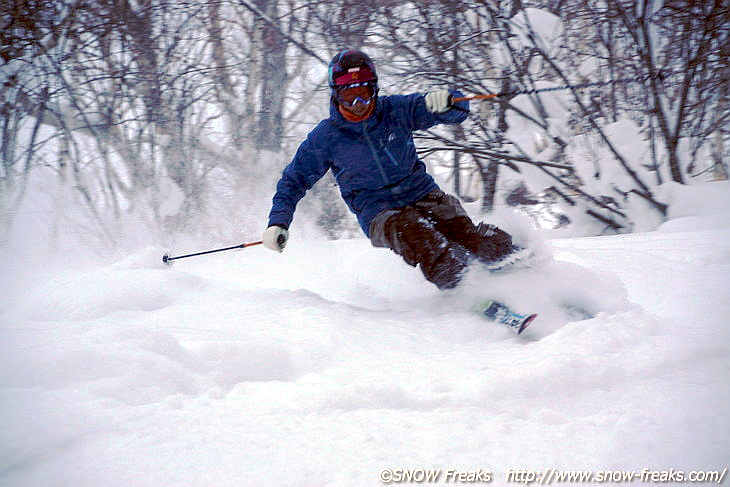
point(166, 260)
point(526, 323)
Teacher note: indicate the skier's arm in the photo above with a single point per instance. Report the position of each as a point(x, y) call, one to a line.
point(306, 168)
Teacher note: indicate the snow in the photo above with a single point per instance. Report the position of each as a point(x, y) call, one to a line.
point(541, 24)
point(321, 365)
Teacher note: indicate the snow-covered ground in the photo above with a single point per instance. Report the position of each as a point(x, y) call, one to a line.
point(325, 364)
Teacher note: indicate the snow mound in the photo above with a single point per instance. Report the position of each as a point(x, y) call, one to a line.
point(696, 207)
point(147, 258)
point(98, 292)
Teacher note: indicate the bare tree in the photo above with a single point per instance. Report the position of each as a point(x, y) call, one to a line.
point(500, 51)
point(684, 41)
point(143, 107)
point(30, 29)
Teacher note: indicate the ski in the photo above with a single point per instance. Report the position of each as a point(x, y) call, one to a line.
point(495, 311)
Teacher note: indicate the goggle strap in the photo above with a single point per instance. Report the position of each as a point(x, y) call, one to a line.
point(355, 85)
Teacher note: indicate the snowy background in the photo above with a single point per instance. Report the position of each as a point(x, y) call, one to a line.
point(322, 365)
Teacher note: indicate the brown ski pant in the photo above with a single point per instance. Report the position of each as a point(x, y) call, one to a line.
point(437, 234)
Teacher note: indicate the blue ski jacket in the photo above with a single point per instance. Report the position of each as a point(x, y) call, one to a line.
point(374, 161)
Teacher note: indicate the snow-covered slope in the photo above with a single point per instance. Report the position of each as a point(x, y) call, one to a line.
point(322, 365)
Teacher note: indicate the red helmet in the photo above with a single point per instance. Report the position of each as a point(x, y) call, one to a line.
point(351, 66)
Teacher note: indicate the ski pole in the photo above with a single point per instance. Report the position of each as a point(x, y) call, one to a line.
point(489, 96)
point(168, 260)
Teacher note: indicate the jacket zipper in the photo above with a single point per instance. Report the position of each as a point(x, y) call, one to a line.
point(390, 156)
point(383, 174)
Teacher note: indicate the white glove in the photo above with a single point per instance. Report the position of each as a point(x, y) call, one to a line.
point(438, 101)
point(275, 237)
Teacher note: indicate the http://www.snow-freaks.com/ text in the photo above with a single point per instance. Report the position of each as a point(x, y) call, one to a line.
point(548, 476)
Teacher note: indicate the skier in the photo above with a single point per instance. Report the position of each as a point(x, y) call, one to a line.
point(367, 142)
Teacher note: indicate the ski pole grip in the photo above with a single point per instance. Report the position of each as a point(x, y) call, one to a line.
point(450, 101)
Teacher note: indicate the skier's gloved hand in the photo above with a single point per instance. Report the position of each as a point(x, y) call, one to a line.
point(275, 237)
point(438, 101)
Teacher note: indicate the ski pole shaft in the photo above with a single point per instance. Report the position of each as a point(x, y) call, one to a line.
point(166, 258)
point(489, 96)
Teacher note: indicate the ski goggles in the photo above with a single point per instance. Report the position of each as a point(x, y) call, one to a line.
point(352, 94)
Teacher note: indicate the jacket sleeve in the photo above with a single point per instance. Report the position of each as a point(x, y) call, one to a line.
point(307, 167)
point(420, 118)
